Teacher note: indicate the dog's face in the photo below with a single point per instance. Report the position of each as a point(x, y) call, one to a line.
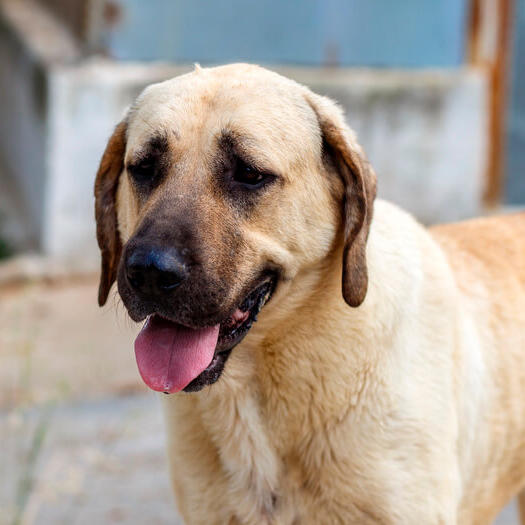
point(217, 187)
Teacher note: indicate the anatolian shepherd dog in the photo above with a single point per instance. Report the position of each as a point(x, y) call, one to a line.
point(232, 194)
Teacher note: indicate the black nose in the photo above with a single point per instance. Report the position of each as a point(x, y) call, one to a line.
point(154, 271)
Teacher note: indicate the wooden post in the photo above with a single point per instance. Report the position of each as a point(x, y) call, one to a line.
point(491, 25)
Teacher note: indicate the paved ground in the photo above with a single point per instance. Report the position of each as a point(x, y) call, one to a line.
point(57, 345)
point(88, 463)
point(82, 439)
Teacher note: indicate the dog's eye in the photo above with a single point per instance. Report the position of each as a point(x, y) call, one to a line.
point(143, 172)
point(249, 176)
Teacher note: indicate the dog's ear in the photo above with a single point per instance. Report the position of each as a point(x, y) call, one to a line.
point(106, 184)
point(359, 181)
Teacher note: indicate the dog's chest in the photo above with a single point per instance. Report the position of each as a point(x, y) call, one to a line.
point(260, 485)
point(265, 487)
point(267, 482)
point(222, 450)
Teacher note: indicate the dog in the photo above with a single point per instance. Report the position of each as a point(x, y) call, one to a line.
point(384, 379)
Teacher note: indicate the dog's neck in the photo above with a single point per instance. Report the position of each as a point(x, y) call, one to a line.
point(298, 342)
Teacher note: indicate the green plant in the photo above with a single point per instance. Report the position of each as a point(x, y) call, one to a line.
point(5, 249)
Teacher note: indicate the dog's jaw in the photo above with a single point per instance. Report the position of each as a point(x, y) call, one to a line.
point(173, 357)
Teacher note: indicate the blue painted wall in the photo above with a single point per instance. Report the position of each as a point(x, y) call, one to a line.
point(515, 168)
point(390, 33)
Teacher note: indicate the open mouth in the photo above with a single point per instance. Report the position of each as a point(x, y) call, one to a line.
point(172, 357)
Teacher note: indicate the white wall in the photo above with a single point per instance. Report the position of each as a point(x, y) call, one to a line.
point(424, 131)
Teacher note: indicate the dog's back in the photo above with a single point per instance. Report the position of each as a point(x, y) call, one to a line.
point(488, 260)
point(496, 243)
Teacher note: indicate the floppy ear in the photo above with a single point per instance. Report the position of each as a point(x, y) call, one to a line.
point(359, 182)
point(106, 184)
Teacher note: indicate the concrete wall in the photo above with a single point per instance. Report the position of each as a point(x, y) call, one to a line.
point(32, 43)
point(86, 102)
point(411, 33)
point(23, 113)
point(424, 131)
point(515, 168)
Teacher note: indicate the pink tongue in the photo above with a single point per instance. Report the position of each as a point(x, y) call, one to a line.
point(170, 356)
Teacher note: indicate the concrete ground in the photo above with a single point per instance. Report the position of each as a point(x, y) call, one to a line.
point(84, 463)
point(82, 439)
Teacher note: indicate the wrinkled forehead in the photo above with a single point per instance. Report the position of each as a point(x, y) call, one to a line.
point(265, 112)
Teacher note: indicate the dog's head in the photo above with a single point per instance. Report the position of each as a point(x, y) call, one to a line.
point(217, 187)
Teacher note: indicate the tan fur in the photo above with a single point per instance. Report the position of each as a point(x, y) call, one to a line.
point(408, 409)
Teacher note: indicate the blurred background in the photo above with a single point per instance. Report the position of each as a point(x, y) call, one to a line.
point(434, 89)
